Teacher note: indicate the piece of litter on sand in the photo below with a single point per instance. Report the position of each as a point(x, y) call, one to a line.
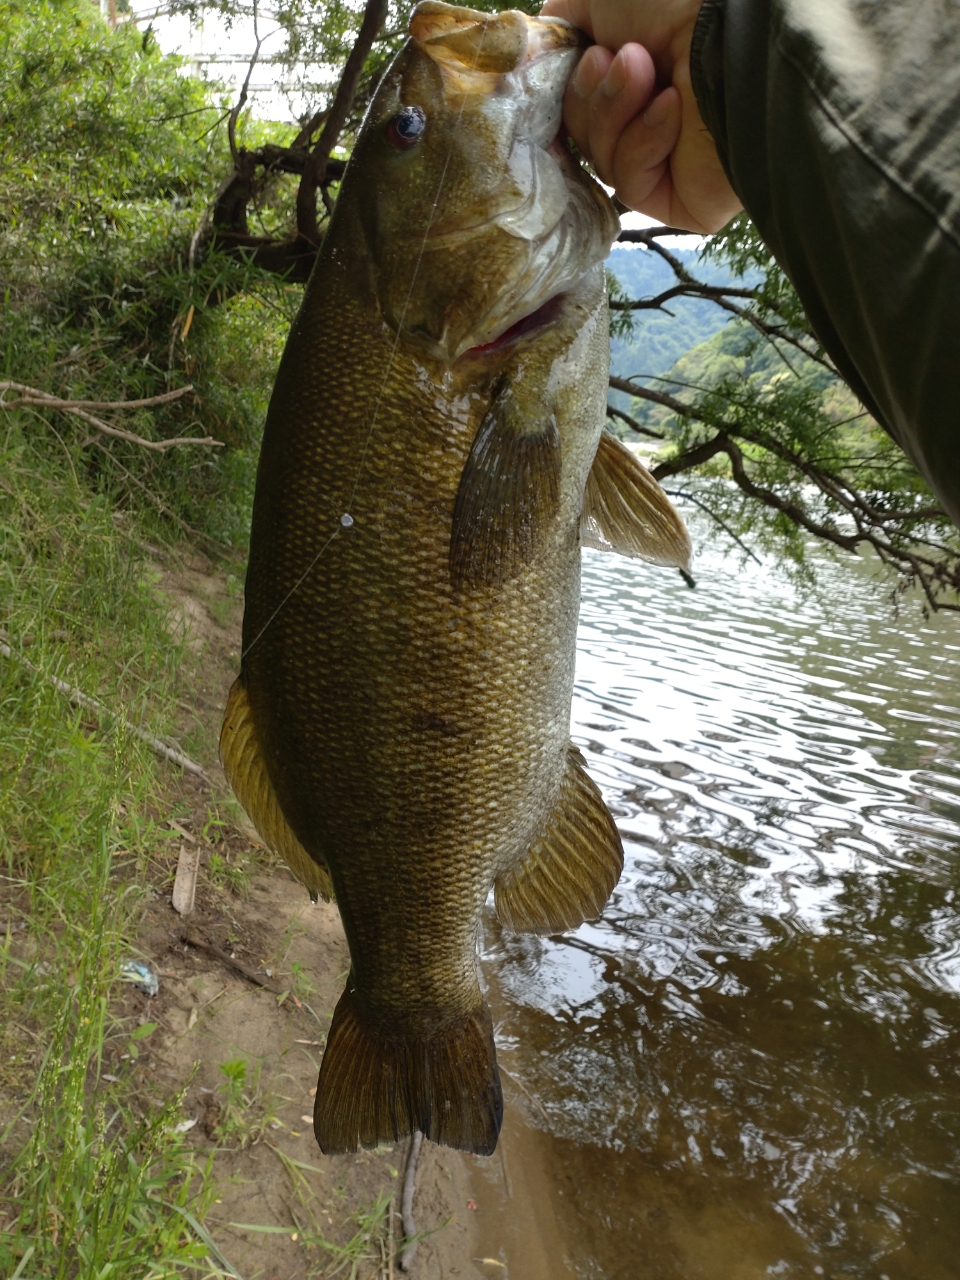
point(141, 975)
point(184, 1126)
point(185, 885)
point(110, 1079)
point(316, 1043)
point(490, 1262)
point(307, 1119)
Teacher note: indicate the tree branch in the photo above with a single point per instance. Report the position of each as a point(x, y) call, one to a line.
point(241, 100)
point(633, 424)
point(658, 397)
point(80, 699)
point(31, 396)
point(692, 458)
point(686, 496)
point(772, 333)
point(712, 293)
point(315, 172)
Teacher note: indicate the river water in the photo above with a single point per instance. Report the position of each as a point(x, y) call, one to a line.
point(750, 1066)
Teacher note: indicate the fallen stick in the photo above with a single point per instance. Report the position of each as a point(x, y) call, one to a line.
point(406, 1203)
point(212, 950)
point(390, 1249)
point(80, 699)
point(32, 397)
point(30, 394)
point(185, 884)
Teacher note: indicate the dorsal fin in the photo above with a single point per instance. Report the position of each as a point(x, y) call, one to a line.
point(246, 772)
point(571, 870)
point(625, 510)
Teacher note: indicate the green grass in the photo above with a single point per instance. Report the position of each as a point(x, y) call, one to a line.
point(95, 1180)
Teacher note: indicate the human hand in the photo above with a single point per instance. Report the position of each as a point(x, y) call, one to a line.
point(650, 145)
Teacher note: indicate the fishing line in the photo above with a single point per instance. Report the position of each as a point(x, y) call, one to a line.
point(346, 520)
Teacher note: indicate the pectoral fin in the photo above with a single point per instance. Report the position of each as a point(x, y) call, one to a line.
point(246, 772)
point(625, 510)
point(570, 872)
point(509, 493)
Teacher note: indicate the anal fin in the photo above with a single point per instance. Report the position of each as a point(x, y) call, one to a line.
point(625, 510)
point(246, 772)
point(377, 1088)
point(571, 870)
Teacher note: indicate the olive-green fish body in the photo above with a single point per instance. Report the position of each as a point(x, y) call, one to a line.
point(400, 729)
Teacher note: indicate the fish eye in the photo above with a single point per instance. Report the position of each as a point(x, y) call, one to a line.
point(405, 128)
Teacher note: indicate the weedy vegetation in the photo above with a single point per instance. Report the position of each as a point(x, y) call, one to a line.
point(119, 285)
point(109, 155)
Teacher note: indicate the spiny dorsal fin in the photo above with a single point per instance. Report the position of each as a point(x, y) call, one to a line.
point(625, 510)
point(509, 492)
point(571, 870)
point(243, 764)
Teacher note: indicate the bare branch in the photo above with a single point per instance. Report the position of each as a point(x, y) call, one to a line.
point(712, 293)
point(314, 173)
point(698, 288)
point(686, 496)
point(241, 101)
point(80, 699)
point(692, 458)
point(649, 234)
point(32, 397)
point(658, 397)
point(633, 424)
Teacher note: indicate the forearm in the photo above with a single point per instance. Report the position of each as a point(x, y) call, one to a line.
point(838, 128)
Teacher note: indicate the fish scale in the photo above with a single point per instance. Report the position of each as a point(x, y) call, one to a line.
point(400, 727)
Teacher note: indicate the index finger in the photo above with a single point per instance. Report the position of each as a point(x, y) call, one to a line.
point(576, 12)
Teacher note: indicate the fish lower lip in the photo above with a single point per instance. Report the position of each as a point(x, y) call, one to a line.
point(544, 315)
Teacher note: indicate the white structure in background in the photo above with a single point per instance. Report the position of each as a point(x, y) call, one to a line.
point(220, 53)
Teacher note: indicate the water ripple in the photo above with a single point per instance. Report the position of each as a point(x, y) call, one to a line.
point(769, 1009)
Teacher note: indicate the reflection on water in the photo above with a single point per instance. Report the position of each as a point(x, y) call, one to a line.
point(751, 1065)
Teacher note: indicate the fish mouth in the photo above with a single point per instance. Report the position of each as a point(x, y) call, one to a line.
point(535, 321)
point(474, 50)
point(519, 221)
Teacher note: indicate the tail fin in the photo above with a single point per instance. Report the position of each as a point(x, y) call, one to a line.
point(375, 1088)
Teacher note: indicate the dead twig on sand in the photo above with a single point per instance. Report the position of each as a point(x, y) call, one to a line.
point(522, 1087)
point(406, 1202)
point(210, 949)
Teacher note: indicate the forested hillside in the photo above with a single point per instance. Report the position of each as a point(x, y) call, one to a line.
point(660, 338)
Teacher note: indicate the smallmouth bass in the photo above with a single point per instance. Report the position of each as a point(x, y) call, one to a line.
point(433, 458)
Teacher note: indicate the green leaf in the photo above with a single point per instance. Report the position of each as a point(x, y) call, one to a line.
point(147, 1029)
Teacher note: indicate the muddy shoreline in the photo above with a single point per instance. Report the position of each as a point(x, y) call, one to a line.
point(487, 1216)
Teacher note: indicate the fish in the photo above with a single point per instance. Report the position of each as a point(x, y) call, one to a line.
point(433, 458)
